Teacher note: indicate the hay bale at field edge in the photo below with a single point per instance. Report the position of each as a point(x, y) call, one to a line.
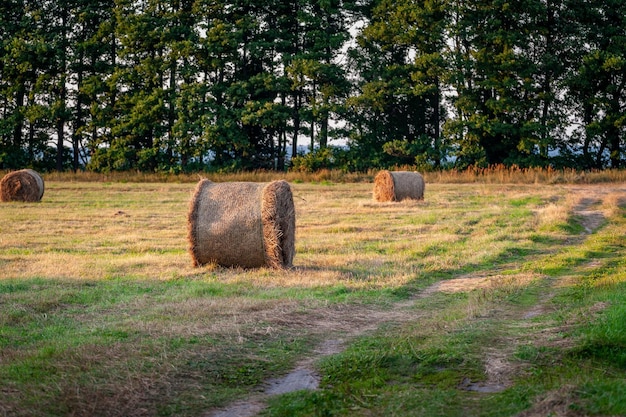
point(242, 224)
point(23, 185)
point(398, 186)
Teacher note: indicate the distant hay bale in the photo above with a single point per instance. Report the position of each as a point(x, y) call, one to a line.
point(398, 186)
point(23, 185)
point(242, 224)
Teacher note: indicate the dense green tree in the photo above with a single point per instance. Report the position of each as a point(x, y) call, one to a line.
point(255, 87)
point(399, 59)
point(139, 79)
point(219, 61)
point(290, 38)
point(180, 39)
point(92, 67)
point(58, 34)
point(23, 61)
point(325, 34)
point(231, 84)
point(597, 84)
point(494, 81)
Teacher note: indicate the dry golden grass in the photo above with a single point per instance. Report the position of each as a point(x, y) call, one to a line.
point(95, 231)
point(497, 174)
point(91, 230)
point(87, 234)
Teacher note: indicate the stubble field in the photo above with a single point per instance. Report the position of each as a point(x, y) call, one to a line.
point(483, 299)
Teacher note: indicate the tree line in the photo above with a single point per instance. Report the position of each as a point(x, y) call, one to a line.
point(184, 85)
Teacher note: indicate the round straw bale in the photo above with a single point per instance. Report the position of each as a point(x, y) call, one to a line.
point(242, 224)
point(23, 185)
point(398, 186)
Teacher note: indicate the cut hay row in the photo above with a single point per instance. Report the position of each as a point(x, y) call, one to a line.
point(23, 185)
point(242, 224)
point(398, 186)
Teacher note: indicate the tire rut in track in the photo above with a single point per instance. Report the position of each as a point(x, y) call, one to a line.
point(499, 369)
point(349, 323)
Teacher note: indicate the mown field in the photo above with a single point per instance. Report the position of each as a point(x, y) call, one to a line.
point(486, 299)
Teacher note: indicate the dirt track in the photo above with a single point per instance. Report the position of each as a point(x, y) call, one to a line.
point(354, 322)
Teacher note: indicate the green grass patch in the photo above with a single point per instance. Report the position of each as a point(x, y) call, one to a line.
point(102, 310)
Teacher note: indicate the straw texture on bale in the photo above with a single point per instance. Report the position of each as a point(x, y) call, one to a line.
point(23, 185)
point(243, 224)
point(398, 186)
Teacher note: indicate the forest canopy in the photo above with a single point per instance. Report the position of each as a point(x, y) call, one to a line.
point(182, 85)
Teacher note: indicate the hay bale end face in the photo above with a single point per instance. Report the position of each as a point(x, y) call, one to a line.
point(398, 186)
point(243, 224)
point(23, 185)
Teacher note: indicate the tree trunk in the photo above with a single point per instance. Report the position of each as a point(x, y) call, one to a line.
point(19, 123)
point(435, 123)
point(296, 122)
point(60, 118)
point(78, 121)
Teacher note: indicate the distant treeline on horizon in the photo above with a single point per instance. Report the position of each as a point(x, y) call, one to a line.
point(198, 85)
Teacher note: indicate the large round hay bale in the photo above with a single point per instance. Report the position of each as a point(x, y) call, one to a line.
point(398, 186)
point(23, 185)
point(242, 224)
